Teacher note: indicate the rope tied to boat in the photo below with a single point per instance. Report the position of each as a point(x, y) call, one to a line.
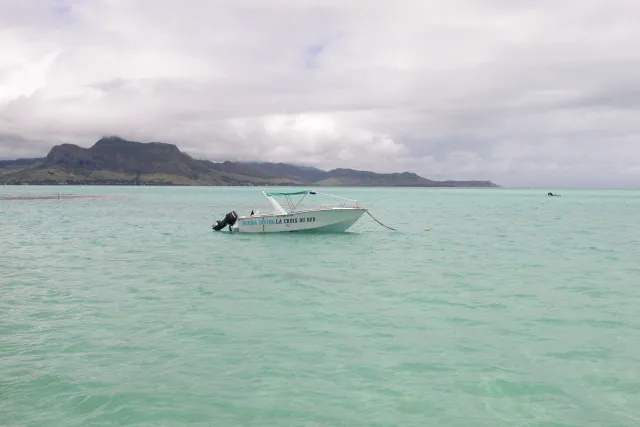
point(386, 226)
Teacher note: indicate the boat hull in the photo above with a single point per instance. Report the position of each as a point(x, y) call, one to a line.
point(335, 220)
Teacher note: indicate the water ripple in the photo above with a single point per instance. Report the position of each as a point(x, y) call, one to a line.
point(124, 308)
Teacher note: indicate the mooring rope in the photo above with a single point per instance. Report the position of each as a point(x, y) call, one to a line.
point(380, 222)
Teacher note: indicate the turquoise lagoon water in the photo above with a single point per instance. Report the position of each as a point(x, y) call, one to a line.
point(126, 309)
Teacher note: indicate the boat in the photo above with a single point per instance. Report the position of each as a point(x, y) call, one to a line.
point(325, 218)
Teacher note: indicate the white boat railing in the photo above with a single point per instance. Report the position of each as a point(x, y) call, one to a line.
point(296, 207)
point(338, 205)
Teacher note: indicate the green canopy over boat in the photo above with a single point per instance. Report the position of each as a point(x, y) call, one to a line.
point(293, 193)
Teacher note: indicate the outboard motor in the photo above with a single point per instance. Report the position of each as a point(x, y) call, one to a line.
point(229, 219)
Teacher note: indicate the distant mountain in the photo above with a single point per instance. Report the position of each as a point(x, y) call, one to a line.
point(19, 162)
point(113, 160)
point(299, 173)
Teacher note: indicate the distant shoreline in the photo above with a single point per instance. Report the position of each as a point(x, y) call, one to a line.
point(261, 186)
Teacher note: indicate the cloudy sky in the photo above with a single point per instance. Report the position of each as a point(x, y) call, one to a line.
point(524, 93)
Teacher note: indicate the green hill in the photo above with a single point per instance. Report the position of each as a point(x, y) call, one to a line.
point(115, 161)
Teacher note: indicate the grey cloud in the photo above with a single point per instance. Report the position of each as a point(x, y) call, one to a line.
point(515, 92)
point(15, 146)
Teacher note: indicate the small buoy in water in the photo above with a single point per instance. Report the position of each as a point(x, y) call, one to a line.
point(427, 229)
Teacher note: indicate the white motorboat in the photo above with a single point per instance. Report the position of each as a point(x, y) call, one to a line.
point(325, 218)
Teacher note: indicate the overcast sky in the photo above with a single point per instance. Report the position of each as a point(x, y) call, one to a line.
point(519, 92)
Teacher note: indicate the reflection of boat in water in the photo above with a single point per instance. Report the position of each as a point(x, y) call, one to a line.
point(332, 218)
point(552, 195)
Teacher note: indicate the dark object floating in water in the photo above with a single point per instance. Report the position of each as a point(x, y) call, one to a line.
point(552, 195)
point(229, 220)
